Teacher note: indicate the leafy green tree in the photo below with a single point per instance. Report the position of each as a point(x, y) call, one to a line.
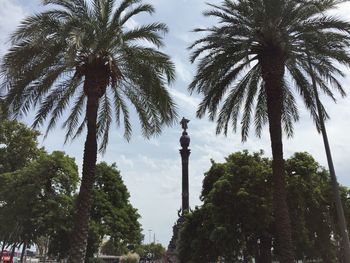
point(76, 55)
point(194, 244)
point(250, 62)
point(37, 199)
point(18, 146)
point(236, 219)
point(312, 210)
point(112, 214)
point(237, 212)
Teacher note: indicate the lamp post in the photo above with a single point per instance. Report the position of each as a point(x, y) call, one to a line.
point(149, 235)
point(185, 153)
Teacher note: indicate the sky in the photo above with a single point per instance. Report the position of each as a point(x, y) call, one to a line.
point(151, 169)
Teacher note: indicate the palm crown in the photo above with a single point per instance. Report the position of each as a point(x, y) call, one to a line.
point(53, 51)
point(250, 32)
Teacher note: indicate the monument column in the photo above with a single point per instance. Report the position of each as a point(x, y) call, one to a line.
point(185, 153)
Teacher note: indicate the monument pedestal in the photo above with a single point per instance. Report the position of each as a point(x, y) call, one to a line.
point(171, 252)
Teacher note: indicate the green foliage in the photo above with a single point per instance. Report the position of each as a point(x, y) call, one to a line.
point(73, 49)
point(37, 199)
point(311, 209)
point(111, 247)
point(96, 260)
point(245, 50)
point(155, 249)
point(3, 111)
point(36, 190)
point(236, 219)
point(112, 214)
point(18, 145)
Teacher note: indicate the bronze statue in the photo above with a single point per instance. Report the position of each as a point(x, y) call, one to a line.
point(183, 123)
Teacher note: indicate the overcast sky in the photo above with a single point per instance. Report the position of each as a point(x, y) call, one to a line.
point(152, 168)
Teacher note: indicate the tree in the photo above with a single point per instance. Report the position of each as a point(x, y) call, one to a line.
point(334, 182)
point(236, 219)
point(27, 169)
point(75, 55)
point(46, 188)
point(253, 59)
point(18, 146)
point(112, 214)
point(313, 215)
point(237, 212)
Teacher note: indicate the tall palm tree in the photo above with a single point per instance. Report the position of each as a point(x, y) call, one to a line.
point(345, 244)
point(80, 54)
point(249, 65)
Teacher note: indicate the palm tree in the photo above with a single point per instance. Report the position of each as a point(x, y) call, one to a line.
point(249, 65)
point(80, 54)
point(321, 127)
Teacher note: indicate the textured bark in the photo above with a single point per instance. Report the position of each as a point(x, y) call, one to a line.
point(2, 248)
point(23, 251)
point(264, 250)
point(13, 252)
point(273, 72)
point(96, 80)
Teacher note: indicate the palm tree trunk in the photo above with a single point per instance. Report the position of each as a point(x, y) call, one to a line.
point(23, 251)
point(80, 233)
point(264, 249)
point(2, 249)
point(273, 72)
point(13, 252)
point(345, 244)
point(46, 248)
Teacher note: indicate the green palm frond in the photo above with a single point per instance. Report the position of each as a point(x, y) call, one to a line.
point(232, 50)
point(138, 9)
point(54, 51)
point(72, 123)
point(104, 121)
point(147, 32)
point(121, 109)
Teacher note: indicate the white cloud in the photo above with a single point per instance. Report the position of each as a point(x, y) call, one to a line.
point(126, 161)
point(11, 13)
point(182, 70)
point(185, 100)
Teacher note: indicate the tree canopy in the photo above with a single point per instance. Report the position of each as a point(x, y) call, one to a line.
point(37, 198)
point(112, 214)
point(236, 220)
point(18, 145)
